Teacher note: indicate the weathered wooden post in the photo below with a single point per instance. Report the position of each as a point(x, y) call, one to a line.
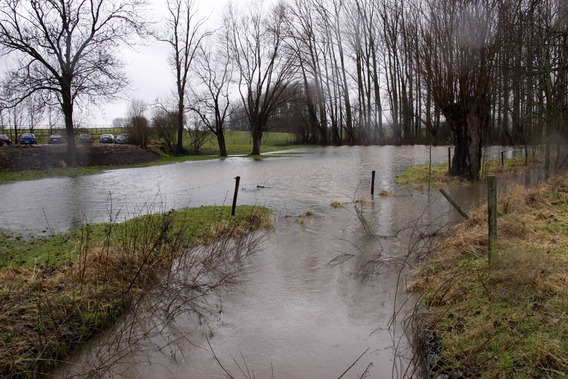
point(237, 181)
point(492, 216)
point(373, 183)
point(454, 204)
point(502, 158)
point(449, 158)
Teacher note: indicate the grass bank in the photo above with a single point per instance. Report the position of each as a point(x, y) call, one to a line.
point(508, 320)
point(56, 292)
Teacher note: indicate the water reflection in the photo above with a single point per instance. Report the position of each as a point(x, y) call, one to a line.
point(300, 313)
point(289, 184)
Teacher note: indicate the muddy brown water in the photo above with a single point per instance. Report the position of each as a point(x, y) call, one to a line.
point(322, 292)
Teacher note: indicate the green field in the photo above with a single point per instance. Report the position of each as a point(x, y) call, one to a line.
point(238, 142)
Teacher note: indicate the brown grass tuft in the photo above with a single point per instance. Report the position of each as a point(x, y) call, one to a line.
point(508, 319)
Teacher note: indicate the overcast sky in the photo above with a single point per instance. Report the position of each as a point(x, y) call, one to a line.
point(147, 69)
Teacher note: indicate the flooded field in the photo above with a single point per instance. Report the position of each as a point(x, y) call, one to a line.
point(324, 296)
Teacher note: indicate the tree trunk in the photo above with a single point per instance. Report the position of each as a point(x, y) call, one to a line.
point(179, 145)
point(256, 134)
point(468, 123)
point(67, 109)
point(221, 142)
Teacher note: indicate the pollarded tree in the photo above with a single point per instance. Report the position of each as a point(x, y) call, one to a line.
point(256, 43)
point(68, 48)
point(458, 45)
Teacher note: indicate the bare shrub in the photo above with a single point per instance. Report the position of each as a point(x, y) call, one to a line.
point(138, 276)
point(190, 288)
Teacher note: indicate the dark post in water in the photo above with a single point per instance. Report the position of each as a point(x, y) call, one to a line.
point(373, 183)
point(237, 181)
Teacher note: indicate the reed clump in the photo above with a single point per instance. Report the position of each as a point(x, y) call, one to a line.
point(49, 310)
point(507, 320)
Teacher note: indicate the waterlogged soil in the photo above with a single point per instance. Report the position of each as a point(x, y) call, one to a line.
point(19, 158)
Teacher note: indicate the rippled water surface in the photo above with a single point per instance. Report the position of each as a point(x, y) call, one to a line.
point(322, 291)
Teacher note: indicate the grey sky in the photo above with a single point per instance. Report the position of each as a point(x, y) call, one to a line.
point(147, 68)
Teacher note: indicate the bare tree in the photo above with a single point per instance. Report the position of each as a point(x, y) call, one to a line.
point(212, 103)
point(199, 134)
point(164, 123)
point(306, 42)
point(256, 43)
point(34, 108)
point(67, 47)
point(138, 125)
point(183, 33)
point(457, 51)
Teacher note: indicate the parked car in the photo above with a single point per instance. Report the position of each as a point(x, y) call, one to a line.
point(85, 138)
point(5, 140)
point(28, 139)
point(122, 138)
point(106, 138)
point(55, 139)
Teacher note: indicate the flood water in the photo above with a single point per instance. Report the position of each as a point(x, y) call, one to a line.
point(323, 289)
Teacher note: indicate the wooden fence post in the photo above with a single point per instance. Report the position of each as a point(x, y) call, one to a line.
point(454, 204)
point(237, 181)
point(492, 216)
point(373, 183)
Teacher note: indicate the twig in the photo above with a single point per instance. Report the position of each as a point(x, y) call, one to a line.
point(353, 364)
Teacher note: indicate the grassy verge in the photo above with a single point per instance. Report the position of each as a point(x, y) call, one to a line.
point(508, 320)
point(58, 291)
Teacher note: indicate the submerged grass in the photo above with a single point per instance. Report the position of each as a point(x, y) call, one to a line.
point(436, 175)
point(508, 320)
point(58, 291)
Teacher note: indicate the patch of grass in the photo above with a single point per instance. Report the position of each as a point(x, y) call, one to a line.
point(508, 320)
point(17, 251)
point(58, 291)
point(420, 175)
point(337, 204)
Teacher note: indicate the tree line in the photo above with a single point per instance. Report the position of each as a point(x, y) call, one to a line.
point(335, 72)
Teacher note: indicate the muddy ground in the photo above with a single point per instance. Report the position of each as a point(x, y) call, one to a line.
point(37, 157)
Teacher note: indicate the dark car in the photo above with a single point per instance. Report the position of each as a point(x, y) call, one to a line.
point(106, 138)
point(85, 138)
point(5, 140)
point(122, 138)
point(28, 139)
point(55, 139)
